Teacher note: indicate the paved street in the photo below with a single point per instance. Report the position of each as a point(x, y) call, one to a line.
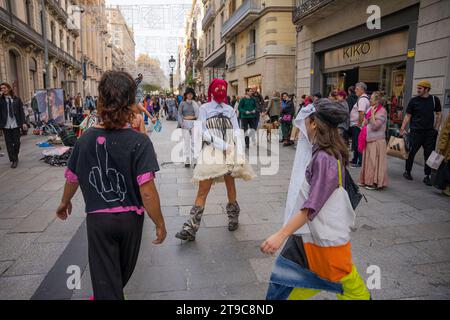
point(404, 230)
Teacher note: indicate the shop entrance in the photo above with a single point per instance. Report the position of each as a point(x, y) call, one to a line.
point(388, 78)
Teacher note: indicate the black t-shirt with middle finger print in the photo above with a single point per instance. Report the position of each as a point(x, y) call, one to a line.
point(110, 165)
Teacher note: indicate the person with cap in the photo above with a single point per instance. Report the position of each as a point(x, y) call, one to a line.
point(187, 114)
point(318, 217)
point(221, 159)
point(423, 115)
point(317, 96)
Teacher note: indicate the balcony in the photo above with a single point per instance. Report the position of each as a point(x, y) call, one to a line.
point(251, 53)
point(307, 11)
point(243, 17)
point(231, 62)
point(209, 17)
point(57, 10)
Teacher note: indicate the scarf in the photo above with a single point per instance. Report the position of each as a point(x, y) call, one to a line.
point(362, 138)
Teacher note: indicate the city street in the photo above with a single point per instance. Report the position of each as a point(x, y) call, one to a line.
point(404, 230)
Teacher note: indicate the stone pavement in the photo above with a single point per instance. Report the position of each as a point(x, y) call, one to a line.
point(404, 230)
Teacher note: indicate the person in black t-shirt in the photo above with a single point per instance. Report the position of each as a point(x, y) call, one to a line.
point(115, 169)
point(423, 114)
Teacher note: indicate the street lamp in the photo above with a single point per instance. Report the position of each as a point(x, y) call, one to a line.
point(172, 62)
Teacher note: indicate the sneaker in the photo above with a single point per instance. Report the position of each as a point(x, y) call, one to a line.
point(355, 165)
point(371, 188)
point(407, 175)
point(427, 181)
point(187, 165)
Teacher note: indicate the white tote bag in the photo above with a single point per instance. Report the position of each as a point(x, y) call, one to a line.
point(434, 160)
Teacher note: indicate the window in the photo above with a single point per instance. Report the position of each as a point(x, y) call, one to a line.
point(74, 49)
point(33, 75)
point(61, 39)
point(68, 44)
point(213, 36)
point(52, 31)
point(29, 12)
point(232, 7)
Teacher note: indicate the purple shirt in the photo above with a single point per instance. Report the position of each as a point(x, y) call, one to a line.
point(322, 175)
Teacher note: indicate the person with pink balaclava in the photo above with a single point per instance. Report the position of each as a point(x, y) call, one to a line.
point(221, 158)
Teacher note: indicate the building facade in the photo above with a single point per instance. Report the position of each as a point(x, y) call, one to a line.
point(122, 38)
point(22, 47)
point(94, 40)
point(412, 44)
point(214, 60)
point(260, 45)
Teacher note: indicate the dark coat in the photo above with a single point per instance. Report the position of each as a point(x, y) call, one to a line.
point(18, 111)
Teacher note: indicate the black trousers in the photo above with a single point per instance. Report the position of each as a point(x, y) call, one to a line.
point(12, 140)
point(245, 124)
point(114, 240)
point(426, 140)
point(357, 156)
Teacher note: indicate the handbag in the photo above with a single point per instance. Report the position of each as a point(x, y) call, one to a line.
point(352, 189)
point(286, 118)
point(434, 160)
point(440, 178)
point(396, 148)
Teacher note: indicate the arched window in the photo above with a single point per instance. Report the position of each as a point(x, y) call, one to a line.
point(15, 71)
point(33, 75)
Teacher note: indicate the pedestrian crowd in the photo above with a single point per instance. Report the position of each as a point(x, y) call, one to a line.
point(114, 164)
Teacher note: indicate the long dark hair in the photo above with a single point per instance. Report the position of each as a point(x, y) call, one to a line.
point(328, 139)
point(11, 90)
point(117, 92)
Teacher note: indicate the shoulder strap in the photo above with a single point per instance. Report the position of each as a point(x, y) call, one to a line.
point(339, 173)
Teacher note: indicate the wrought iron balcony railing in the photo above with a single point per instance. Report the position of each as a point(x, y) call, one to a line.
point(209, 16)
point(303, 8)
point(231, 62)
point(246, 14)
point(251, 52)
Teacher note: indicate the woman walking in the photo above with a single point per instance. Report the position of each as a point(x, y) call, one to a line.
point(318, 216)
point(12, 120)
point(115, 168)
point(221, 159)
point(372, 144)
point(187, 114)
point(287, 115)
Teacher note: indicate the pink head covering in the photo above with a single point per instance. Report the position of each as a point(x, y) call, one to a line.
point(218, 91)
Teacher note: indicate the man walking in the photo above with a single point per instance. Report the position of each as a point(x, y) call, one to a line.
point(12, 119)
point(423, 114)
point(356, 119)
point(248, 112)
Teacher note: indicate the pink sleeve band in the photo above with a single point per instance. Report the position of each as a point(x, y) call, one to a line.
point(146, 177)
point(70, 176)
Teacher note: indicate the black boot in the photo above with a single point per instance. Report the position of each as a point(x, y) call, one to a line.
point(233, 211)
point(190, 227)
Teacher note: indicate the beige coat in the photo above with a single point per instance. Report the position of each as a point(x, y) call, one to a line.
point(443, 146)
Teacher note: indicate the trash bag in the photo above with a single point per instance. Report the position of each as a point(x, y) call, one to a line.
point(68, 137)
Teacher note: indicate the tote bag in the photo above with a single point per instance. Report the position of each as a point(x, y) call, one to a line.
point(396, 148)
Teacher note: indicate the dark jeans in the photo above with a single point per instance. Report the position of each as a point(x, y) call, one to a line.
point(426, 140)
point(357, 157)
point(245, 124)
point(114, 240)
point(286, 129)
point(12, 140)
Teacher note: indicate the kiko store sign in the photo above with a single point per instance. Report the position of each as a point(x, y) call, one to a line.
point(389, 46)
